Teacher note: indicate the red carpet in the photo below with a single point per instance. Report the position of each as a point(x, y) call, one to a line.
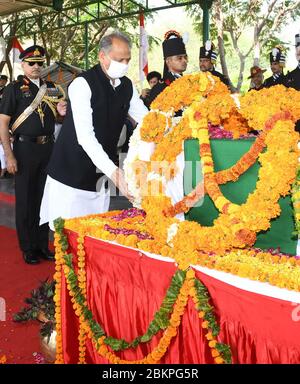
point(18, 341)
point(6, 198)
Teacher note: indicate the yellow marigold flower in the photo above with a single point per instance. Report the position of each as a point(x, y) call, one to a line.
point(207, 169)
point(212, 343)
point(190, 274)
point(103, 350)
point(202, 135)
point(206, 159)
point(221, 201)
point(233, 208)
point(219, 360)
point(215, 353)
point(209, 336)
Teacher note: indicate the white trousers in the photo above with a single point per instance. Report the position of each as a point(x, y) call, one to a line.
point(60, 200)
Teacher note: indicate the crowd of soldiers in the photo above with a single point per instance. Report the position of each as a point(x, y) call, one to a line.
point(176, 60)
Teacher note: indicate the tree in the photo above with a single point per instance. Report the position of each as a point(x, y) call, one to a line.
point(12, 32)
point(260, 21)
point(67, 44)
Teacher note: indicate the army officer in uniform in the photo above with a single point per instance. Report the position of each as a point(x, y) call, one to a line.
point(277, 63)
point(29, 110)
point(207, 60)
point(175, 63)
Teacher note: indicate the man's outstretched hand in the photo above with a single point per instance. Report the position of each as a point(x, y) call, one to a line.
point(118, 179)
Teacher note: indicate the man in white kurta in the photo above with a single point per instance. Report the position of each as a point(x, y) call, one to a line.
point(62, 199)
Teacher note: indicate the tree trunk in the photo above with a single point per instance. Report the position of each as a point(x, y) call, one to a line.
point(7, 61)
point(241, 72)
point(223, 62)
point(256, 48)
point(220, 27)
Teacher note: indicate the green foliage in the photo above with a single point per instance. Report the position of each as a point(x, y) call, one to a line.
point(41, 300)
point(161, 317)
point(68, 44)
point(204, 306)
point(243, 24)
point(47, 329)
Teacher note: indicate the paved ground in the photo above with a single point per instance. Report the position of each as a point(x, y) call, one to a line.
point(7, 210)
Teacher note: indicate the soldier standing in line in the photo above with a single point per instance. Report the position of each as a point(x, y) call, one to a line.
point(29, 109)
point(277, 63)
point(257, 78)
point(207, 60)
point(175, 63)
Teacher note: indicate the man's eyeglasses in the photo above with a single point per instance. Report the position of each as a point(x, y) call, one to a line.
point(31, 63)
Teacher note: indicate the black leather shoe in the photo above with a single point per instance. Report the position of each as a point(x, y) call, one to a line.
point(45, 254)
point(30, 257)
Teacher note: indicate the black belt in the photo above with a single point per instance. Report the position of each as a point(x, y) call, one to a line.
point(37, 139)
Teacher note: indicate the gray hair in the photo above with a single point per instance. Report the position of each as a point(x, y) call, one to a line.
point(107, 40)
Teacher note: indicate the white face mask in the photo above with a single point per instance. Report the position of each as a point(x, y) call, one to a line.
point(117, 70)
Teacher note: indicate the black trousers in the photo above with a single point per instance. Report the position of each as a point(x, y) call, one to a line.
point(32, 160)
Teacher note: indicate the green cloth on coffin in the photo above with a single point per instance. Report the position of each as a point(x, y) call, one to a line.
point(225, 154)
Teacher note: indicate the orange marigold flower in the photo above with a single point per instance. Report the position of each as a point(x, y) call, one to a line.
point(215, 353)
point(3, 359)
point(201, 314)
point(209, 336)
point(219, 360)
point(212, 343)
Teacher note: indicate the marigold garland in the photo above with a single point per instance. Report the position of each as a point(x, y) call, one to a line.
point(212, 103)
point(82, 286)
point(94, 226)
point(60, 249)
point(205, 101)
point(278, 270)
point(183, 285)
point(237, 225)
point(296, 203)
point(220, 352)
